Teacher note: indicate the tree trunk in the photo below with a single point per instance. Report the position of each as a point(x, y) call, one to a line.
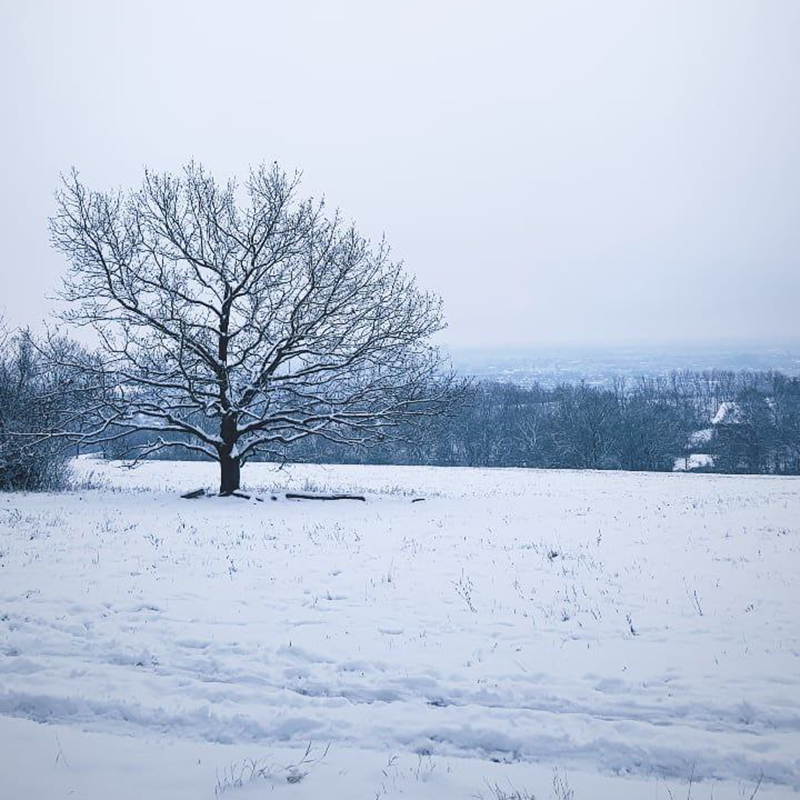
point(230, 473)
point(229, 464)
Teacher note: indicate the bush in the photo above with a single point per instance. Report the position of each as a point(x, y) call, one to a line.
point(30, 401)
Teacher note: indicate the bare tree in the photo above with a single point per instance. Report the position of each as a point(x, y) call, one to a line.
point(236, 320)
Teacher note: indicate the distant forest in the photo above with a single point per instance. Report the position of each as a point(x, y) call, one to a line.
point(715, 421)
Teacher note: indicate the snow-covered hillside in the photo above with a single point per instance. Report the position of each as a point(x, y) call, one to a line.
point(557, 634)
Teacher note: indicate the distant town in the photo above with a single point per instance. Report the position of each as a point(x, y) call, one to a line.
point(600, 366)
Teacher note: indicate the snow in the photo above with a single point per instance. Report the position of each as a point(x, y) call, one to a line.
point(693, 461)
point(621, 633)
point(728, 413)
point(702, 436)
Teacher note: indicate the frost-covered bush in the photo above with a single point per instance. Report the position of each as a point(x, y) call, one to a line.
point(30, 401)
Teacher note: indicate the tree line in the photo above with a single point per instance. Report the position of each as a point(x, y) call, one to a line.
point(648, 424)
point(744, 422)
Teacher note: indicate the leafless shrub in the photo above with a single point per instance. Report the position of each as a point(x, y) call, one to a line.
point(245, 772)
point(464, 588)
point(512, 793)
point(32, 400)
point(561, 790)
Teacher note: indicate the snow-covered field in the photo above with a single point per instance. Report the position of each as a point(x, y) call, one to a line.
point(557, 634)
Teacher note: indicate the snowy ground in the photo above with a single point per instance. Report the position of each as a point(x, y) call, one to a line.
point(569, 635)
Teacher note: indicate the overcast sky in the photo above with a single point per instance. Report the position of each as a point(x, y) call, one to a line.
point(560, 172)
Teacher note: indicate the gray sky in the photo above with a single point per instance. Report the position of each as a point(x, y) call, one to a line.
point(584, 172)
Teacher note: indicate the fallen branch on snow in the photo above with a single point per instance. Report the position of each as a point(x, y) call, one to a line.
point(194, 495)
point(304, 496)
